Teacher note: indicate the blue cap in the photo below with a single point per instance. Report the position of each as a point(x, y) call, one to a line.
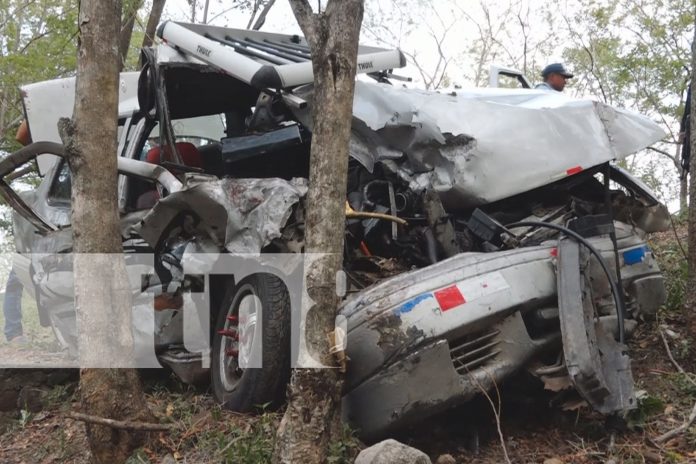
point(557, 68)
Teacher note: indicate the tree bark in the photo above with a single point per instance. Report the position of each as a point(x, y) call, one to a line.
point(261, 20)
point(153, 21)
point(127, 24)
point(205, 11)
point(690, 305)
point(683, 195)
point(313, 414)
point(193, 10)
point(102, 293)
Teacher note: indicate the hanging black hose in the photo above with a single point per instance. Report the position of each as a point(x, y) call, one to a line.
point(618, 300)
point(612, 234)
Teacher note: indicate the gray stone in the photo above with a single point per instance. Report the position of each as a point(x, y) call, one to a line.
point(16, 386)
point(168, 459)
point(31, 399)
point(446, 459)
point(392, 452)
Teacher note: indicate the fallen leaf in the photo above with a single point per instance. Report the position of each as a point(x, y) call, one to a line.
point(556, 384)
point(40, 416)
point(574, 405)
point(553, 461)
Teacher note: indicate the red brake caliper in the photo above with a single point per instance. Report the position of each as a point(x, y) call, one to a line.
point(233, 334)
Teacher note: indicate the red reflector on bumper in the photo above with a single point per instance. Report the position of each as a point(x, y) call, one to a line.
point(449, 297)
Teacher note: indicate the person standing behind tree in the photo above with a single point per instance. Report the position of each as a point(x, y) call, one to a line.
point(12, 304)
point(555, 77)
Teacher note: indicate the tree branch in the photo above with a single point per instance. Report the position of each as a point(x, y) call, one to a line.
point(496, 410)
point(654, 103)
point(253, 13)
point(262, 17)
point(222, 13)
point(119, 424)
point(674, 361)
point(32, 40)
point(664, 153)
point(305, 17)
point(673, 433)
point(205, 11)
point(152, 22)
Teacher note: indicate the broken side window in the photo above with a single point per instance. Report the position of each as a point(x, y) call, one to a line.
point(62, 185)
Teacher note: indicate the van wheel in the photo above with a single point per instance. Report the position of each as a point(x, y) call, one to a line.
point(251, 344)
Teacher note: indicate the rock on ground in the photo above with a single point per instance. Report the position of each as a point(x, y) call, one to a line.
point(21, 386)
point(392, 452)
point(446, 459)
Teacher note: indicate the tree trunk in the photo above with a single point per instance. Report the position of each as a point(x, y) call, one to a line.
point(127, 24)
point(205, 11)
point(313, 414)
point(153, 21)
point(193, 10)
point(690, 305)
point(102, 293)
point(683, 195)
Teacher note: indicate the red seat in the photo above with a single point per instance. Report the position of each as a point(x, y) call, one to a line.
point(187, 151)
point(189, 155)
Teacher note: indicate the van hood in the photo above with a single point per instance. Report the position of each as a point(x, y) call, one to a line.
point(481, 145)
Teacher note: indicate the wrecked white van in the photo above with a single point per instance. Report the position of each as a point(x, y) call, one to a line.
point(488, 231)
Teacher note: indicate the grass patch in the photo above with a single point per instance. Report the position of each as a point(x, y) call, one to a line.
point(345, 449)
point(39, 337)
point(207, 433)
point(675, 269)
point(60, 396)
point(247, 444)
point(684, 384)
point(648, 407)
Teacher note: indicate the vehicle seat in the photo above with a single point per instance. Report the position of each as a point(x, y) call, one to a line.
point(187, 151)
point(189, 155)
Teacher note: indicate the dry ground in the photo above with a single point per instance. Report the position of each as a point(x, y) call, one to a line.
point(533, 430)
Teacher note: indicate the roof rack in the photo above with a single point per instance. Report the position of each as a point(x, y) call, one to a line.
point(263, 59)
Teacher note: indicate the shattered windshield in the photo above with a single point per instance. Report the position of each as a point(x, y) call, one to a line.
point(199, 131)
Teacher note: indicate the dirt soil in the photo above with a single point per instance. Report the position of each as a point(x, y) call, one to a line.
point(533, 426)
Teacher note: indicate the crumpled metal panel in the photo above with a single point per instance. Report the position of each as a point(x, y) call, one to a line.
point(479, 146)
point(424, 381)
point(598, 366)
point(398, 314)
point(240, 215)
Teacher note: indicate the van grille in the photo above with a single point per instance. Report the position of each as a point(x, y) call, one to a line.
point(473, 351)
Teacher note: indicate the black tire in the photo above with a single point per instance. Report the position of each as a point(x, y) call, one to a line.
point(246, 390)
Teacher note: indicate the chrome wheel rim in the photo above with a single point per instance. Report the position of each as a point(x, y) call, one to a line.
point(238, 337)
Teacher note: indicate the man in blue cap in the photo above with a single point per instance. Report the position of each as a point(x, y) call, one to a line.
point(555, 77)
